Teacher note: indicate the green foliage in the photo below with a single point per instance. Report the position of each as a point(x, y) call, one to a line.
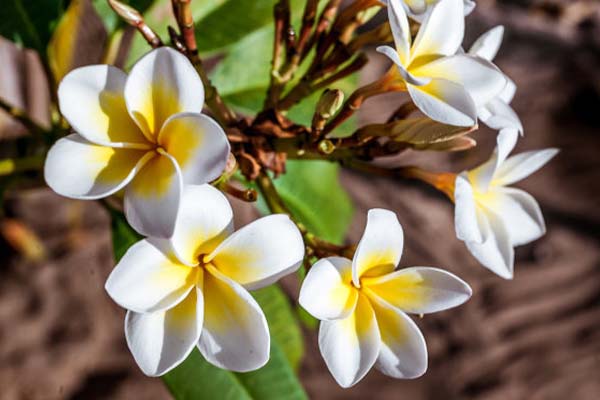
point(283, 325)
point(313, 193)
point(234, 20)
point(30, 25)
point(123, 236)
point(196, 379)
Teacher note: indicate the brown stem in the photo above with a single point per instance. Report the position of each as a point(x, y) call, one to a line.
point(185, 21)
point(443, 181)
point(247, 195)
point(281, 15)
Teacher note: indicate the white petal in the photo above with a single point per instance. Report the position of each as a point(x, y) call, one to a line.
point(416, 6)
point(350, 346)
point(480, 78)
point(469, 6)
point(91, 99)
point(499, 115)
point(160, 341)
point(487, 45)
point(508, 93)
point(204, 220)
point(444, 101)
point(400, 30)
point(419, 290)
point(160, 84)
point(442, 30)
point(152, 198)
point(147, 279)
point(465, 211)
point(327, 292)
point(80, 169)
point(198, 144)
point(403, 352)
point(496, 252)
point(380, 247)
point(521, 215)
point(522, 165)
point(261, 252)
point(235, 334)
point(392, 54)
point(482, 176)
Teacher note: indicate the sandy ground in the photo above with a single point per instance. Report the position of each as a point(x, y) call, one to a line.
point(536, 337)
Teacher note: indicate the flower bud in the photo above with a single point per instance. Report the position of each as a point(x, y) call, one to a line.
point(330, 102)
point(129, 14)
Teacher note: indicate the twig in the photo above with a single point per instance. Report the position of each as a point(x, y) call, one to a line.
point(281, 15)
point(185, 21)
point(443, 181)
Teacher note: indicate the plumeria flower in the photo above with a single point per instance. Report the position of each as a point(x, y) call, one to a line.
point(497, 113)
point(492, 218)
point(142, 132)
point(192, 290)
point(446, 86)
point(363, 302)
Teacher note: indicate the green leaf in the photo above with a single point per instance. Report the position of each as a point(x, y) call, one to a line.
point(232, 21)
point(30, 24)
point(196, 379)
point(283, 324)
point(275, 381)
point(123, 236)
point(314, 195)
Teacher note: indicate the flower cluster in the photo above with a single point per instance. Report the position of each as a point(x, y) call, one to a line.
point(186, 285)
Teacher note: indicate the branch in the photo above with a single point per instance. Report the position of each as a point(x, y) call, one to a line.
point(185, 21)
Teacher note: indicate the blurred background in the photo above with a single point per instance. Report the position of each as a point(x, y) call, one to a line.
point(536, 337)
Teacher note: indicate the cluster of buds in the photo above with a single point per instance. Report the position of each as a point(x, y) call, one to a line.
point(141, 138)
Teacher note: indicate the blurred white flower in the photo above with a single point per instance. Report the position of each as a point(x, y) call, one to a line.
point(143, 132)
point(192, 290)
point(492, 218)
point(497, 114)
point(363, 304)
point(446, 86)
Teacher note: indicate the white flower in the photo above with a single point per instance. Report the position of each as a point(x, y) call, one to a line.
point(497, 114)
point(191, 290)
point(362, 305)
point(143, 132)
point(446, 86)
point(490, 217)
